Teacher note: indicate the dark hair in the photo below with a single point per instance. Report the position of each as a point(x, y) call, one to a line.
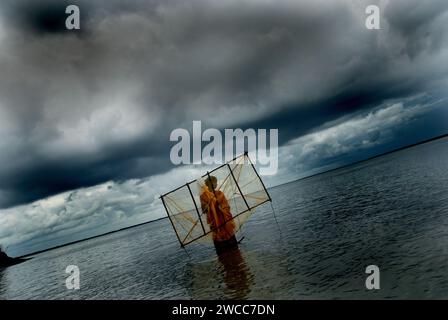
point(211, 179)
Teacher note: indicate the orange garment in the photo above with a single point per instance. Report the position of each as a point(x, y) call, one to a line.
point(219, 217)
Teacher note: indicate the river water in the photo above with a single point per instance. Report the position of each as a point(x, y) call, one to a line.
point(391, 212)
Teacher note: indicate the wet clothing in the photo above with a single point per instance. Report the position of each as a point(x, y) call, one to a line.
point(215, 205)
point(223, 246)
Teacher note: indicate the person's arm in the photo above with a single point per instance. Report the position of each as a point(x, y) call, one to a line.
point(223, 203)
point(205, 206)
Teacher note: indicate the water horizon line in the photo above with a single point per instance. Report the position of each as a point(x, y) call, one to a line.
point(279, 185)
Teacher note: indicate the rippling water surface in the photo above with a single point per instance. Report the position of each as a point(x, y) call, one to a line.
point(391, 211)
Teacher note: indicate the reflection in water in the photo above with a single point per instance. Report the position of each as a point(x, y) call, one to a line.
point(332, 226)
point(237, 275)
point(226, 276)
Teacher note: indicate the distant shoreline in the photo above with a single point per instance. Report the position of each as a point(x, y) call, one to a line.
point(365, 160)
point(90, 238)
point(307, 177)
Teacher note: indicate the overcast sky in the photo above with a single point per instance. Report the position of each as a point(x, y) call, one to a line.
point(85, 116)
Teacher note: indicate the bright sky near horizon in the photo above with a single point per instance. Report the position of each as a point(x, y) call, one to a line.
point(85, 116)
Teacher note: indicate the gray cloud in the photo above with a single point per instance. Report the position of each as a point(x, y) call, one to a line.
point(111, 205)
point(77, 110)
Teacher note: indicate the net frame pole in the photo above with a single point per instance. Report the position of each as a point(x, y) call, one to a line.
point(259, 178)
point(238, 186)
point(196, 206)
point(172, 191)
point(214, 193)
point(238, 215)
point(169, 217)
point(245, 155)
point(217, 168)
point(265, 190)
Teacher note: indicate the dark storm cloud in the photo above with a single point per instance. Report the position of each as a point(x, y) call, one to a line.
point(419, 24)
point(48, 16)
point(81, 110)
point(41, 17)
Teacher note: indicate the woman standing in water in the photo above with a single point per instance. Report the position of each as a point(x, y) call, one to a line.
point(215, 205)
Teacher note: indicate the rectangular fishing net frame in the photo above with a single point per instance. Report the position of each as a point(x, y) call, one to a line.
point(242, 188)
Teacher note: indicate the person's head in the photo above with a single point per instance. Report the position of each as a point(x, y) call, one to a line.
point(211, 182)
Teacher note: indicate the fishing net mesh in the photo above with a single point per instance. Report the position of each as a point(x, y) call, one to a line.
point(198, 212)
